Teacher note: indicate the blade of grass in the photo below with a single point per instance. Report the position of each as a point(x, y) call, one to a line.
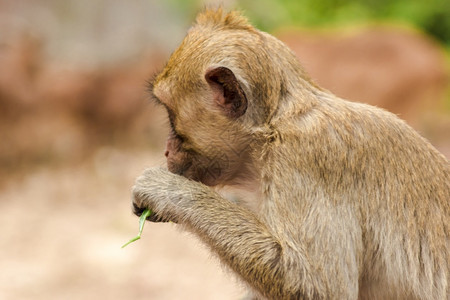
point(145, 214)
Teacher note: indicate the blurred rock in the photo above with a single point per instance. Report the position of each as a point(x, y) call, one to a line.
point(390, 67)
point(55, 113)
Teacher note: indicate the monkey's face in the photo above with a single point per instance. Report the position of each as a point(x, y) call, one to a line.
point(205, 143)
point(212, 161)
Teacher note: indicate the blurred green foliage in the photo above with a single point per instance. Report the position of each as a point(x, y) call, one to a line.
point(431, 16)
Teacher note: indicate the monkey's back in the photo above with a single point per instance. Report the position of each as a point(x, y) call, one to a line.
point(398, 185)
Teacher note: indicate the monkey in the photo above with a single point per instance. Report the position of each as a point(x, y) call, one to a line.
point(352, 202)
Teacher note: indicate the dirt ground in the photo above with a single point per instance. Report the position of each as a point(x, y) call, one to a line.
point(62, 231)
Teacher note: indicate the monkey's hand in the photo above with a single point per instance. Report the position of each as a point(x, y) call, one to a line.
point(235, 233)
point(164, 193)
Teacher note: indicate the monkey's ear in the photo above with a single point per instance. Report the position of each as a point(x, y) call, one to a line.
point(227, 91)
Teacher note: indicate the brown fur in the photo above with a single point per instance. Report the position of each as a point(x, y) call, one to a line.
point(354, 204)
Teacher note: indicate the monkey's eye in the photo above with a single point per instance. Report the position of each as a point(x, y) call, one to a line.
point(171, 115)
point(155, 99)
point(177, 136)
point(180, 137)
point(171, 119)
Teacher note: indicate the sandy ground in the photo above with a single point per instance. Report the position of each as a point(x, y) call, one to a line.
point(62, 231)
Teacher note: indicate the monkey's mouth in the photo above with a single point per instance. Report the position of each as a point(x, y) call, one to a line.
point(185, 168)
point(180, 169)
point(195, 171)
point(179, 162)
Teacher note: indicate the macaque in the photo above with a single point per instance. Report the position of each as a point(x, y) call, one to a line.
point(352, 203)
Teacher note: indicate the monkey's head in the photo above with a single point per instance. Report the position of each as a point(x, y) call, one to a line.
point(221, 84)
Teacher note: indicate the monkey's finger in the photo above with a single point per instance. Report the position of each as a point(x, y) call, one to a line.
point(137, 210)
point(158, 219)
point(154, 217)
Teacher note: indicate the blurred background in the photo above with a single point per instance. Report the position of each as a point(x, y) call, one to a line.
point(76, 127)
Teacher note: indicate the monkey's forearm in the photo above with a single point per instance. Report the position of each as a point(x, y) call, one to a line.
point(241, 241)
point(238, 237)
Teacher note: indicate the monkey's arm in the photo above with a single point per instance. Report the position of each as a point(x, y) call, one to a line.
point(241, 241)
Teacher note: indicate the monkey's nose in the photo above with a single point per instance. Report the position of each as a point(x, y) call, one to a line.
point(166, 153)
